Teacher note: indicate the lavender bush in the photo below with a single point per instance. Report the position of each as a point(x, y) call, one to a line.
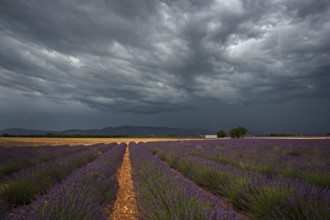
point(307, 160)
point(23, 186)
point(13, 159)
point(165, 194)
point(83, 195)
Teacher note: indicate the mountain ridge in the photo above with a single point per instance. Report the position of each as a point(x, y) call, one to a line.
point(121, 130)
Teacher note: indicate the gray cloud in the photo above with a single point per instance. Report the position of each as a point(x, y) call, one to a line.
point(151, 56)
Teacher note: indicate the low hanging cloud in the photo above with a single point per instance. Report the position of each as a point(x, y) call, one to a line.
point(149, 56)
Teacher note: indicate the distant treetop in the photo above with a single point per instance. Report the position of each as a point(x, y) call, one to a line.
point(238, 132)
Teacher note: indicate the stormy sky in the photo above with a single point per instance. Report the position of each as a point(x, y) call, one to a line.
point(212, 64)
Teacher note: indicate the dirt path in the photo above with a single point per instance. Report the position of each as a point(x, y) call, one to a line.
point(125, 206)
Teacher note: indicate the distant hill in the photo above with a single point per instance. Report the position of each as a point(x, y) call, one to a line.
point(21, 131)
point(123, 130)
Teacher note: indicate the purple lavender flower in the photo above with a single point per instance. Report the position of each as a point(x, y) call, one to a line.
point(82, 195)
point(238, 174)
point(22, 187)
point(165, 194)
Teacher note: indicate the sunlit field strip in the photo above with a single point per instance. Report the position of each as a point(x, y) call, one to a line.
point(265, 197)
point(22, 141)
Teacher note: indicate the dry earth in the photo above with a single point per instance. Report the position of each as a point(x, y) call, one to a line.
point(125, 205)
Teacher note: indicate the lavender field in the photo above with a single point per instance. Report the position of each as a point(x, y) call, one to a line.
point(269, 179)
point(195, 179)
point(74, 182)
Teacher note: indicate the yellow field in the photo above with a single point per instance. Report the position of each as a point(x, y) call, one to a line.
point(14, 141)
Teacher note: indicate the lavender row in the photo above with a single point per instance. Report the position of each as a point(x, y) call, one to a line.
point(95, 150)
point(165, 194)
point(303, 159)
point(83, 195)
point(13, 159)
point(23, 187)
point(267, 198)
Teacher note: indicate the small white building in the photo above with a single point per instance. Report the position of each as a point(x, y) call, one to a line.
point(208, 136)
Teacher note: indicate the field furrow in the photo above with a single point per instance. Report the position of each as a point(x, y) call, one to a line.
point(125, 205)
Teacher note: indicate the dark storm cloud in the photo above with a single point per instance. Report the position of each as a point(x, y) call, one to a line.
point(155, 56)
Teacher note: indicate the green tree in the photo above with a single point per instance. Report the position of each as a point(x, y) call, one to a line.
point(238, 132)
point(221, 134)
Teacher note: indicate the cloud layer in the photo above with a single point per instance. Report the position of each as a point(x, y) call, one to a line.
point(149, 56)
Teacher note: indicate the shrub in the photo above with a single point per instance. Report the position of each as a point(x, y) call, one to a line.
point(221, 134)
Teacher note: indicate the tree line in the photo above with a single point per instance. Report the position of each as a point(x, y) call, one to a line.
point(237, 132)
